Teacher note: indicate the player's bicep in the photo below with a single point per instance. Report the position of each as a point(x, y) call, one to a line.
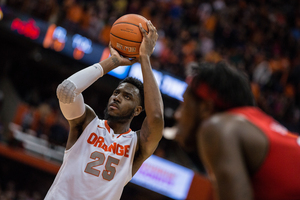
point(87, 116)
point(73, 110)
point(222, 155)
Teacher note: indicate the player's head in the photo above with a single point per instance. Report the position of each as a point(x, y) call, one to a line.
point(215, 88)
point(222, 84)
point(126, 102)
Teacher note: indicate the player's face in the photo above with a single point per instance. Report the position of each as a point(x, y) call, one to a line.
point(123, 102)
point(187, 121)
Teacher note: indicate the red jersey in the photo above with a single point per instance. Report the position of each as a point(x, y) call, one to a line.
point(279, 175)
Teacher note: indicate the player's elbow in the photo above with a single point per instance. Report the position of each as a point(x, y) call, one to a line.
point(158, 114)
point(158, 118)
point(66, 92)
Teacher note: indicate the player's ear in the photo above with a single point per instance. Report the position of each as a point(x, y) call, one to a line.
point(138, 110)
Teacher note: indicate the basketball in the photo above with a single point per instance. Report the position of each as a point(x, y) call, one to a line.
point(125, 35)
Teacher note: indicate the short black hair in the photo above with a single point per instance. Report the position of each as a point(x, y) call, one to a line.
point(231, 85)
point(138, 84)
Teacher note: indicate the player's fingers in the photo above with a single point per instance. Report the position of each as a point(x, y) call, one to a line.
point(111, 49)
point(151, 27)
point(156, 35)
point(154, 28)
point(128, 61)
point(134, 61)
point(144, 33)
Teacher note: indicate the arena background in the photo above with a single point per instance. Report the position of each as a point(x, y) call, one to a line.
point(44, 42)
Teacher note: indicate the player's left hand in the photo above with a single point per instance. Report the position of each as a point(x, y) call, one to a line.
point(149, 40)
point(120, 60)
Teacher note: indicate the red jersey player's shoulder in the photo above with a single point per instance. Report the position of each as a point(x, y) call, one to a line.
point(227, 129)
point(228, 126)
point(224, 123)
point(223, 135)
point(219, 140)
point(220, 130)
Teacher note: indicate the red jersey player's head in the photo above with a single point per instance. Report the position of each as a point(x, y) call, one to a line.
point(126, 101)
point(214, 88)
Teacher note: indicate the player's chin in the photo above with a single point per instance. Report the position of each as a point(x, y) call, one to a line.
point(113, 112)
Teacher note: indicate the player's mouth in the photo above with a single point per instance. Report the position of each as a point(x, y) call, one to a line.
point(113, 106)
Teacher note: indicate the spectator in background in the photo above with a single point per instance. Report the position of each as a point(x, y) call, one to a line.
point(28, 119)
point(74, 16)
point(59, 131)
point(1, 122)
point(262, 71)
point(1, 130)
point(1, 99)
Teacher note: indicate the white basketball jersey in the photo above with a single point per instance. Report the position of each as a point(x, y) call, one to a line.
point(97, 166)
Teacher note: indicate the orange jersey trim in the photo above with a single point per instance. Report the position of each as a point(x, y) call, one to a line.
point(108, 128)
point(106, 125)
point(124, 133)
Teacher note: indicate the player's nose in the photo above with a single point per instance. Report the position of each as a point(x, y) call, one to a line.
point(117, 98)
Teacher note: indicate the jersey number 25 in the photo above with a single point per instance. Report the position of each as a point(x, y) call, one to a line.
point(109, 172)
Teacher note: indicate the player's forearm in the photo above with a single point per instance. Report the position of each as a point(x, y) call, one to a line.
point(86, 77)
point(153, 99)
point(82, 79)
point(69, 91)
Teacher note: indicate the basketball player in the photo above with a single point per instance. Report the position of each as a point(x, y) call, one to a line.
point(248, 155)
point(102, 155)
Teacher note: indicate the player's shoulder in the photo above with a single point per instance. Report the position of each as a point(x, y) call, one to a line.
point(224, 120)
point(221, 132)
point(224, 124)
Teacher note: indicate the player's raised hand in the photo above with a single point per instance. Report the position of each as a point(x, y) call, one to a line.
point(149, 40)
point(118, 59)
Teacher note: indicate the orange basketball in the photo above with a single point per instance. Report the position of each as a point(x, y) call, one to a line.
point(125, 35)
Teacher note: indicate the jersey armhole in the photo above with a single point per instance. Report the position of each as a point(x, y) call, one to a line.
point(81, 136)
point(133, 154)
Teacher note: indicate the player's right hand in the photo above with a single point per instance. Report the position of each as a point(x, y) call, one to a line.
point(149, 40)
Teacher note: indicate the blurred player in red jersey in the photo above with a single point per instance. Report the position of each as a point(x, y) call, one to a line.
point(247, 154)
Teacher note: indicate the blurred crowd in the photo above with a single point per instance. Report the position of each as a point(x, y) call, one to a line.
point(1, 122)
point(19, 181)
point(259, 37)
point(10, 192)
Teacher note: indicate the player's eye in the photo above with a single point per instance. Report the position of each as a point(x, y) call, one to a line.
point(116, 92)
point(127, 97)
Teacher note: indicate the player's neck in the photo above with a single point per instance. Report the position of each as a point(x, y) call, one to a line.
point(119, 127)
